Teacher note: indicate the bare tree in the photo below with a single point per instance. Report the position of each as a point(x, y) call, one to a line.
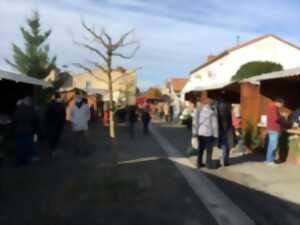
point(102, 45)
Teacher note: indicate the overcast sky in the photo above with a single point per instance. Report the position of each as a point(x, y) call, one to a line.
point(175, 35)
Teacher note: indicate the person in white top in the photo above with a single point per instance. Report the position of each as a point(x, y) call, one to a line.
point(205, 127)
point(80, 116)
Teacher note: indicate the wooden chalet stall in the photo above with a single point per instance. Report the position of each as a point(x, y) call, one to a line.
point(229, 92)
point(12, 88)
point(259, 91)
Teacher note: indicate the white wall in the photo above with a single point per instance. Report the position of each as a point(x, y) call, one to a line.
point(268, 49)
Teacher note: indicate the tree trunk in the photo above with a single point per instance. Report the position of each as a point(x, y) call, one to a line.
point(111, 112)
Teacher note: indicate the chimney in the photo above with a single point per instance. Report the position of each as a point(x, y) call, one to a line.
point(210, 57)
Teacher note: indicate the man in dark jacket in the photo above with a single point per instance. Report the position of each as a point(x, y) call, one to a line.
point(132, 119)
point(55, 120)
point(26, 127)
point(226, 131)
point(146, 118)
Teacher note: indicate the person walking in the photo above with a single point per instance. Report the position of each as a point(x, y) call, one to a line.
point(146, 118)
point(80, 115)
point(205, 127)
point(26, 128)
point(226, 131)
point(131, 119)
point(274, 125)
point(55, 121)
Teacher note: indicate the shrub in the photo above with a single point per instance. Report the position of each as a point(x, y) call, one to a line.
point(252, 136)
point(256, 68)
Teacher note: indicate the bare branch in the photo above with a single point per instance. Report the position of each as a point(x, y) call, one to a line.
point(134, 42)
point(99, 38)
point(107, 37)
point(121, 41)
point(90, 72)
point(130, 56)
point(99, 66)
point(92, 49)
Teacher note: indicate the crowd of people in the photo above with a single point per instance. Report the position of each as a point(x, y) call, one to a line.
point(31, 124)
point(213, 124)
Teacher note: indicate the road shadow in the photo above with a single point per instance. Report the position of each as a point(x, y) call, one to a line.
point(263, 208)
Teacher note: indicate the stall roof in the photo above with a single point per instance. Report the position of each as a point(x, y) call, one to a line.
point(215, 86)
point(5, 75)
point(275, 75)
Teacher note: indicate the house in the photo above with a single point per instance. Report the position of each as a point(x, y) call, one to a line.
point(175, 86)
point(219, 69)
point(95, 86)
point(124, 84)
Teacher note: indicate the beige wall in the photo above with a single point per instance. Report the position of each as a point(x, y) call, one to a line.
point(124, 86)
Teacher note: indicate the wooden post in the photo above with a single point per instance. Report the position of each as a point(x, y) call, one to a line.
point(250, 103)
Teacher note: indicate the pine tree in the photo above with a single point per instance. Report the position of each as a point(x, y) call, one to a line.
point(34, 60)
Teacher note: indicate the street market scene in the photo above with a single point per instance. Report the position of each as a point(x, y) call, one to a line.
point(139, 113)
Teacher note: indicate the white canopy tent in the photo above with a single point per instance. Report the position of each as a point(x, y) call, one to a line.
point(19, 78)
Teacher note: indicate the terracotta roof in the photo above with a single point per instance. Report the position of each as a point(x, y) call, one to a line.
point(178, 83)
point(227, 51)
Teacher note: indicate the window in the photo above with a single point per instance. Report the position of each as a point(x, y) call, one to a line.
point(88, 84)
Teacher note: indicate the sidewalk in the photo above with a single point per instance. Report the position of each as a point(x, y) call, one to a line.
point(282, 181)
point(146, 189)
point(269, 195)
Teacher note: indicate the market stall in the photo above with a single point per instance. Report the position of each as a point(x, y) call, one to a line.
point(12, 88)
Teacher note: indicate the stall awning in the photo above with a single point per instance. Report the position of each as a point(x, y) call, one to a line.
point(5, 75)
point(275, 75)
point(215, 86)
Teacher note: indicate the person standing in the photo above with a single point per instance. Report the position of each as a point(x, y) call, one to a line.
point(205, 127)
point(166, 109)
point(26, 127)
point(80, 115)
point(274, 125)
point(55, 121)
point(146, 118)
point(226, 131)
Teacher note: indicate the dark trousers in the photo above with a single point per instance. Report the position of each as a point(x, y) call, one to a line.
point(205, 143)
point(145, 127)
point(24, 148)
point(54, 134)
point(131, 129)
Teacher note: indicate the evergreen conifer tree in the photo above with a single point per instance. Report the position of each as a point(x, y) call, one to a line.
point(34, 60)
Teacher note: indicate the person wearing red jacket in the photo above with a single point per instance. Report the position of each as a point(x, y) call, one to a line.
point(274, 124)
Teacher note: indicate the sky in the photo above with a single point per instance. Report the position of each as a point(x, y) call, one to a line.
point(175, 35)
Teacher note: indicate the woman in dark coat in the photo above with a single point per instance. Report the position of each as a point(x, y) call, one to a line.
point(26, 127)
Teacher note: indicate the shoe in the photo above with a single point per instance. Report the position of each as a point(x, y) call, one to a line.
point(200, 165)
point(273, 164)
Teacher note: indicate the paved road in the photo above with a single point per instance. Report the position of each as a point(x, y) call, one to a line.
point(261, 207)
point(148, 189)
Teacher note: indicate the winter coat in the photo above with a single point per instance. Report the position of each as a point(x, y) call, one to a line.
point(226, 129)
point(274, 118)
point(205, 122)
point(80, 115)
point(25, 120)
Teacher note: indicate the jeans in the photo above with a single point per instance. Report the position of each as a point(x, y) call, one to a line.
point(273, 142)
point(205, 143)
point(225, 149)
